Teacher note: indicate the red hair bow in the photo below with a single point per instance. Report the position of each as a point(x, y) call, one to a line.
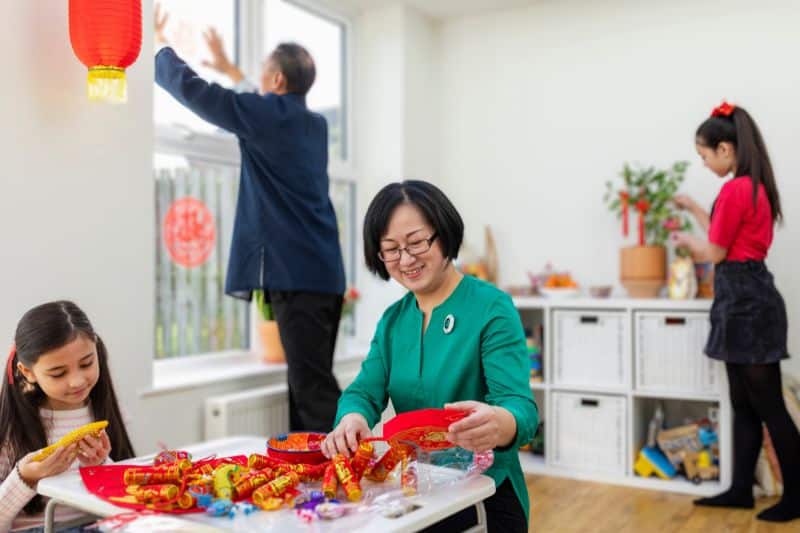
point(723, 110)
point(10, 364)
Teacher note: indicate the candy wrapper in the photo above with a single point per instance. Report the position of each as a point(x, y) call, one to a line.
point(166, 457)
point(419, 442)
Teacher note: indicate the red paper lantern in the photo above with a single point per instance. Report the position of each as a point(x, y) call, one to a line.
point(106, 36)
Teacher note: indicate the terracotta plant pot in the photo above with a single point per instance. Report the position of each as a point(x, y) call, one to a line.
point(271, 342)
point(643, 270)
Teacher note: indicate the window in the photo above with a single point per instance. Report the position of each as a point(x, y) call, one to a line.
point(185, 27)
point(324, 38)
point(195, 205)
point(196, 168)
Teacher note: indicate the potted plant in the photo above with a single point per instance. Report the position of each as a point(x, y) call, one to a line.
point(647, 193)
point(348, 311)
point(268, 329)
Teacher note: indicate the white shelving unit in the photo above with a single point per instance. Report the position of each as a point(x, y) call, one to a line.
point(607, 363)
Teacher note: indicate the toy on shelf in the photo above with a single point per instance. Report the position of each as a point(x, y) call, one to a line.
point(534, 345)
point(677, 442)
point(692, 449)
point(651, 461)
point(698, 467)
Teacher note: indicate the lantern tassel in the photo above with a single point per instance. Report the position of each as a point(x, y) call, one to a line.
point(107, 84)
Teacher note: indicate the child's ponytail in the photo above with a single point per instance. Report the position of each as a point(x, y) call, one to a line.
point(734, 125)
point(21, 429)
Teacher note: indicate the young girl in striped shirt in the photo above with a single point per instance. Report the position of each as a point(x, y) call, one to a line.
point(56, 380)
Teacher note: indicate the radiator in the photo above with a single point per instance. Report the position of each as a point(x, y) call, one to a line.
point(262, 412)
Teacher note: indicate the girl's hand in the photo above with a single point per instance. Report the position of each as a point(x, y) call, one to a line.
point(93, 451)
point(479, 431)
point(680, 239)
point(683, 201)
point(59, 461)
point(351, 429)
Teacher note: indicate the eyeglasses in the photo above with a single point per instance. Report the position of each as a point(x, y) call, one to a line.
point(413, 248)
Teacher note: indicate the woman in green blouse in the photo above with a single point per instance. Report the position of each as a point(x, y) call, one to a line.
point(453, 341)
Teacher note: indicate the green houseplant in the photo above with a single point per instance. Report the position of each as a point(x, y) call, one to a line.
point(268, 330)
point(645, 195)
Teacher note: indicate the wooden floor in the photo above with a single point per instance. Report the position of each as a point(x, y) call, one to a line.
point(567, 505)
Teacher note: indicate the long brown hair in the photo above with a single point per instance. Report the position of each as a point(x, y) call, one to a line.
point(752, 158)
point(42, 329)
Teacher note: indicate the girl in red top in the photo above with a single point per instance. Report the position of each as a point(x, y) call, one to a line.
point(748, 316)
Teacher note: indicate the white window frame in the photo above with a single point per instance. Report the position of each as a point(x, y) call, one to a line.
point(181, 372)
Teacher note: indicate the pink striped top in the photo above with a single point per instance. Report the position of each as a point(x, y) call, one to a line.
point(15, 494)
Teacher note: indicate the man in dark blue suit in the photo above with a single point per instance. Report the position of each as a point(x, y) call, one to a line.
point(285, 237)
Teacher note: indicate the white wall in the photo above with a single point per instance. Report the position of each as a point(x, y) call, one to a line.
point(77, 212)
point(541, 105)
point(396, 130)
point(76, 194)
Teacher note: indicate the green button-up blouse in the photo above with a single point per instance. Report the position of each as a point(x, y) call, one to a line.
point(473, 349)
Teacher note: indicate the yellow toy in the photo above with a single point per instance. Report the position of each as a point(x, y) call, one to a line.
point(225, 477)
point(73, 436)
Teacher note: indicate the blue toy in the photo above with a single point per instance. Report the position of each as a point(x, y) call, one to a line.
point(220, 507)
point(707, 436)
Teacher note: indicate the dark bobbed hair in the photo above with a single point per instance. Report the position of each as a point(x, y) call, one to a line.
point(435, 207)
point(752, 158)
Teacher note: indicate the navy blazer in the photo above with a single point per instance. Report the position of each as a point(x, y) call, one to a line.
point(285, 235)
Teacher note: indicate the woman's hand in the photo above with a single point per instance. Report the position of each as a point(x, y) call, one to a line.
point(59, 461)
point(93, 450)
point(485, 427)
point(345, 438)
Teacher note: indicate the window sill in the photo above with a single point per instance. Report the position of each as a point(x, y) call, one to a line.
point(182, 373)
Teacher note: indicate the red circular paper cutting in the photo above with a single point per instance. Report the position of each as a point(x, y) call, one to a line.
point(189, 232)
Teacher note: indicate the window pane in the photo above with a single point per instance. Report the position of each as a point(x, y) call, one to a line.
point(324, 39)
point(343, 195)
point(195, 205)
point(187, 22)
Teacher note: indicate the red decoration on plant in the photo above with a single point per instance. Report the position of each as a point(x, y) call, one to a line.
point(723, 110)
point(672, 224)
point(623, 199)
point(642, 206)
point(351, 296)
point(106, 36)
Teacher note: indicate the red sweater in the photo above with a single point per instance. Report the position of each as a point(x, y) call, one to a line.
point(739, 225)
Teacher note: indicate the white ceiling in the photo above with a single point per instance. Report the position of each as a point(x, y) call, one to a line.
point(439, 9)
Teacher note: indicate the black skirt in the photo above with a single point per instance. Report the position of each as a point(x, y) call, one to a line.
point(748, 316)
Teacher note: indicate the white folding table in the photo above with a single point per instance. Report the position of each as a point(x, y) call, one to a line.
point(441, 502)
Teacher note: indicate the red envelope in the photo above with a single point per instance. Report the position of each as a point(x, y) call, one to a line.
point(107, 482)
point(427, 428)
